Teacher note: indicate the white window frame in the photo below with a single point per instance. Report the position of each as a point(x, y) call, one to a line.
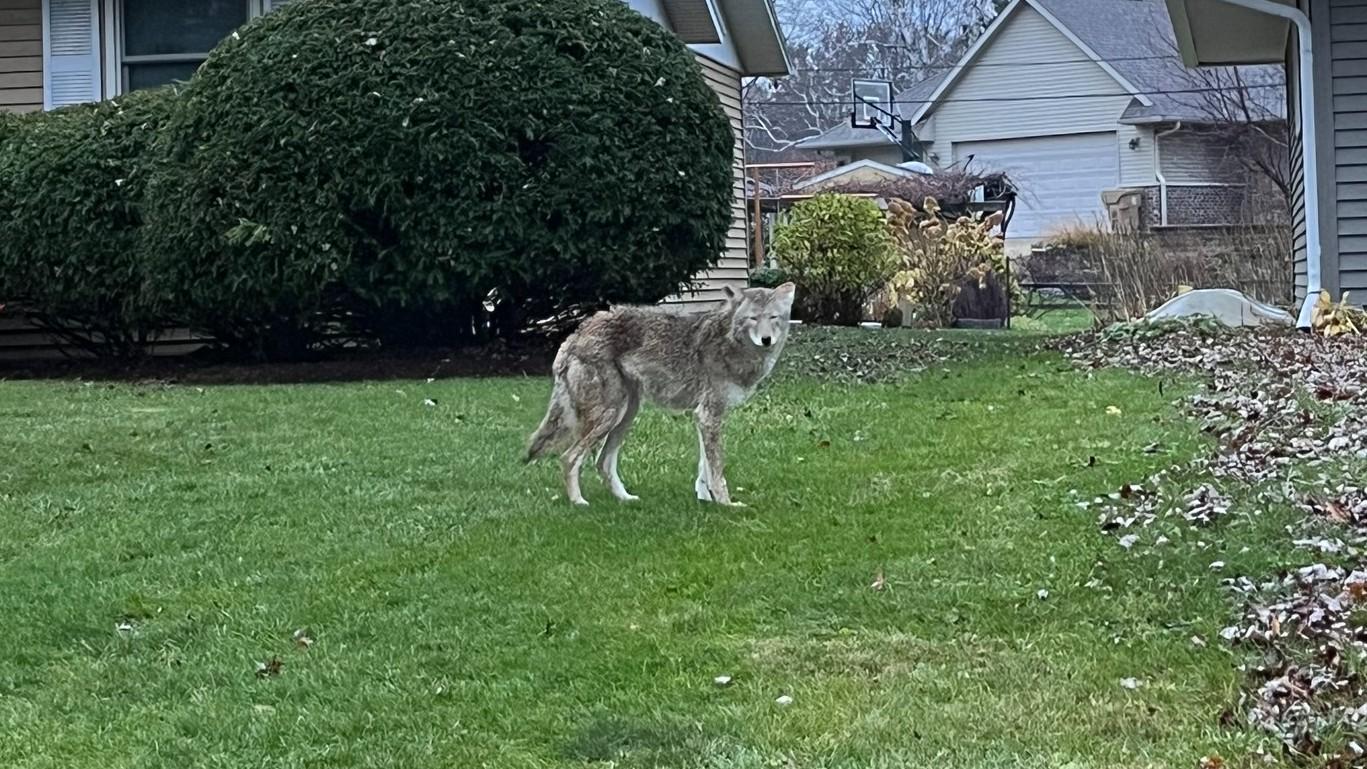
point(115, 83)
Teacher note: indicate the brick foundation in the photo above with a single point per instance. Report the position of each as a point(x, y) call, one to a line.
point(1189, 206)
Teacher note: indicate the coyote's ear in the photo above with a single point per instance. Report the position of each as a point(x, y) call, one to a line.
point(732, 295)
point(784, 294)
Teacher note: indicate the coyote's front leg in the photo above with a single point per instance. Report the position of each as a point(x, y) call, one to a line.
point(711, 483)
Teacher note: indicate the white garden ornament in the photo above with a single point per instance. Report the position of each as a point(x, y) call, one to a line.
point(1229, 307)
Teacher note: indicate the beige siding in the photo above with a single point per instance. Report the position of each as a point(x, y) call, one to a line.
point(1028, 37)
point(1136, 165)
point(733, 269)
point(21, 55)
point(1349, 92)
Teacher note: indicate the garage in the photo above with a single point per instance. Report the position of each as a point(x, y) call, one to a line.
point(1060, 178)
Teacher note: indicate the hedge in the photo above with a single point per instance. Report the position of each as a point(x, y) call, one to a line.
point(402, 167)
point(839, 251)
point(71, 187)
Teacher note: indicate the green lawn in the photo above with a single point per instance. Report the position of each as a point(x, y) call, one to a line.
point(157, 543)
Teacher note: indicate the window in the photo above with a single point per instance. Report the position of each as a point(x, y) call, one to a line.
point(161, 41)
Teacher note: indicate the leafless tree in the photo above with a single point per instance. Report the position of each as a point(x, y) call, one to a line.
point(833, 41)
point(1243, 110)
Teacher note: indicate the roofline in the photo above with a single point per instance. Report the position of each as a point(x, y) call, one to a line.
point(772, 34)
point(782, 40)
point(1188, 119)
point(816, 143)
point(1181, 29)
point(993, 29)
point(1186, 38)
point(841, 170)
point(1086, 49)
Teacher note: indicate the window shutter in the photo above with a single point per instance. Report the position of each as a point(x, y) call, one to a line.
point(71, 52)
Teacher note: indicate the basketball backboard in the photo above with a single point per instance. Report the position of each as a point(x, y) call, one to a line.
point(873, 105)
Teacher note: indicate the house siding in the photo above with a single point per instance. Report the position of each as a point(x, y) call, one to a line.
point(889, 155)
point(21, 55)
point(734, 267)
point(1136, 165)
point(1028, 37)
point(1297, 147)
point(1192, 158)
point(1348, 98)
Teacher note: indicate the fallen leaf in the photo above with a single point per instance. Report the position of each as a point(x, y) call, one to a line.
point(879, 581)
point(270, 668)
point(302, 638)
point(1113, 411)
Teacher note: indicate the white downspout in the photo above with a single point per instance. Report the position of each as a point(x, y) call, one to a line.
point(1309, 150)
point(1158, 173)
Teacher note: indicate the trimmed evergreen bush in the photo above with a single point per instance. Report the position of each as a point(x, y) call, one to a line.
point(71, 188)
point(402, 167)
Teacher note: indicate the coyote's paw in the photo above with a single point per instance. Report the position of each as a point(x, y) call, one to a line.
point(704, 493)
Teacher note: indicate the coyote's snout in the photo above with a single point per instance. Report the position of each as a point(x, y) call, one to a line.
point(707, 363)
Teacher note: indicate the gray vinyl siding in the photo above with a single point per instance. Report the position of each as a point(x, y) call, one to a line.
point(1348, 44)
point(1136, 165)
point(21, 55)
point(1028, 36)
point(1293, 116)
point(734, 267)
point(1193, 158)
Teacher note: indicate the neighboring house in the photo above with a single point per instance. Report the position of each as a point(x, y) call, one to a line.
point(1074, 100)
point(59, 52)
point(1328, 161)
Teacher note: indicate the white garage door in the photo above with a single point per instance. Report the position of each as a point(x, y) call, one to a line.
point(1060, 178)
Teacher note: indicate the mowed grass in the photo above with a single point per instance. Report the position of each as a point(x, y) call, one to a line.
point(463, 615)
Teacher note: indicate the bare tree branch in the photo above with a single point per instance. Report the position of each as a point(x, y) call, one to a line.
point(832, 42)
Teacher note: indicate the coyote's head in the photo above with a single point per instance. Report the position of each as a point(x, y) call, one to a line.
point(761, 314)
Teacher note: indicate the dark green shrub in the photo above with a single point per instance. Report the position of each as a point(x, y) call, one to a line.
point(768, 277)
point(398, 167)
point(9, 124)
point(71, 189)
point(838, 250)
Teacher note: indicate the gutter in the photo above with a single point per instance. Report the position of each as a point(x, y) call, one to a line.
point(1158, 174)
point(1309, 147)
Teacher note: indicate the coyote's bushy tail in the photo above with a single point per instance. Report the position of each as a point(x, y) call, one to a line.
point(556, 425)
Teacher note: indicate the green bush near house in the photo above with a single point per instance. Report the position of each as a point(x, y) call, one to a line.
point(427, 171)
point(768, 277)
point(9, 125)
point(838, 250)
point(71, 189)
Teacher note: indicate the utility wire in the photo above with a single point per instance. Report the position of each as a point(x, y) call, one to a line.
point(946, 68)
point(1014, 99)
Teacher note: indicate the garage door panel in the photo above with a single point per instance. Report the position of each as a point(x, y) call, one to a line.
point(1060, 178)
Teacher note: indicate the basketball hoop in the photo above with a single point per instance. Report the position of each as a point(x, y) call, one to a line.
point(873, 105)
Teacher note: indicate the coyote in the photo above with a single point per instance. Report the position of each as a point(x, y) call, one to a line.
point(707, 363)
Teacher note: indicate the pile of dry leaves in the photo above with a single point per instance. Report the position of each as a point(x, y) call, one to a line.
point(1287, 412)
